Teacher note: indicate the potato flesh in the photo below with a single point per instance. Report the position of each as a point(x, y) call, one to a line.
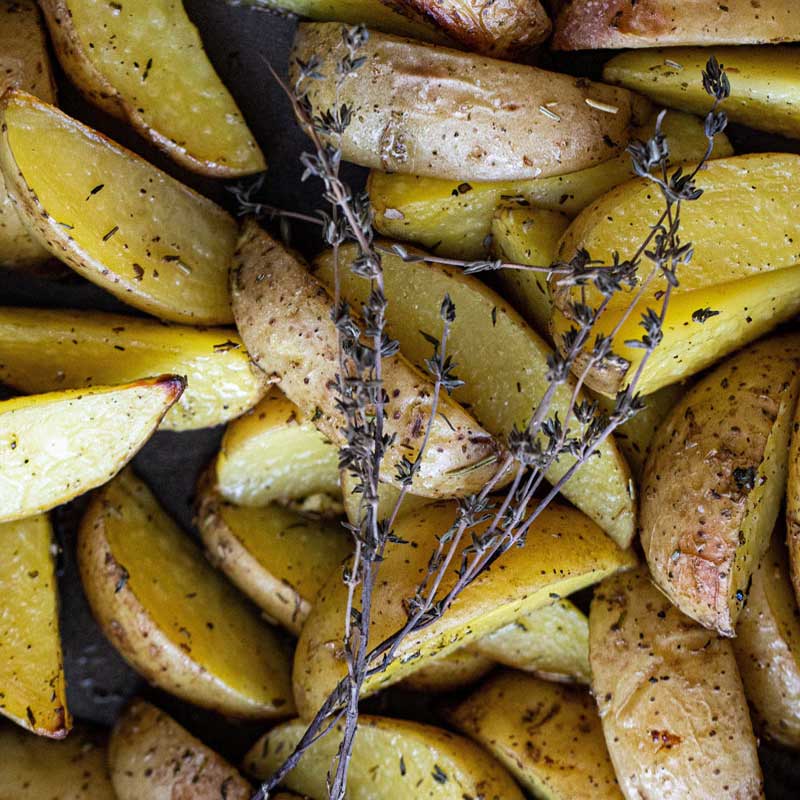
point(33, 768)
point(453, 218)
point(714, 481)
point(116, 219)
point(57, 446)
point(548, 736)
point(565, 551)
point(192, 606)
point(671, 701)
point(34, 692)
point(46, 350)
point(150, 53)
point(503, 364)
point(391, 758)
point(764, 82)
point(461, 668)
point(275, 454)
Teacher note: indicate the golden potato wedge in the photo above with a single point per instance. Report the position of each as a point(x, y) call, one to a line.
point(715, 478)
point(548, 736)
point(277, 557)
point(793, 505)
point(41, 351)
point(453, 218)
point(427, 110)
point(59, 445)
point(392, 758)
point(603, 24)
point(502, 362)
point(185, 629)
point(551, 642)
point(388, 495)
point(456, 671)
point(283, 315)
point(751, 282)
point(34, 768)
point(764, 82)
point(151, 755)
point(33, 691)
point(671, 701)
point(24, 64)
point(275, 454)
point(767, 648)
point(113, 217)
point(144, 62)
point(565, 551)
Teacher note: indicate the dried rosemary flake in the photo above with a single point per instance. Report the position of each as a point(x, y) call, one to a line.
point(550, 114)
point(393, 213)
point(600, 106)
point(670, 63)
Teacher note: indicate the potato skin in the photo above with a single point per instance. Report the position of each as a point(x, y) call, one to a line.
point(599, 24)
point(427, 110)
point(671, 701)
point(283, 315)
point(714, 479)
point(793, 506)
point(152, 756)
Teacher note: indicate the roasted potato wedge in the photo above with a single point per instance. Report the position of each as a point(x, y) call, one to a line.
point(391, 758)
point(453, 218)
point(277, 557)
point(551, 642)
point(585, 25)
point(33, 691)
point(767, 648)
point(738, 286)
point(440, 117)
point(113, 217)
point(276, 454)
point(548, 736)
point(764, 82)
point(41, 351)
point(502, 362)
point(565, 551)
point(388, 495)
point(34, 768)
point(59, 445)
point(284, 316)
point(145, 63)
point(456, 671)
point(24, 64)
point(793, 505)
point(715, 478)
point(671, 701)
point(152, 756)
point(186, 630)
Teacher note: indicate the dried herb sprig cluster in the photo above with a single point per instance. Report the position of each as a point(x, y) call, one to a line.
point(488, 525)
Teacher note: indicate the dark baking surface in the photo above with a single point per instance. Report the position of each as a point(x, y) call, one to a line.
point(240, 42)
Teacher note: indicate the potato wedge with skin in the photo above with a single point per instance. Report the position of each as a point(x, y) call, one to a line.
point(764, 82)
point(565, 551)
point(752, 282)
point(145, 63)
point(113, 217)
point(45, 350)
point(456, 671)
point(793, 505)
point(152, 756)
point(388, 495)
point(671, 701)
point(276, 454)
point(59, 445)
point(453, 218)
point(277, 557)
point(767, 648)
point(715, 478)
point(551, 642)
point(601, 24)
point(392, 758)
point(548, 736)
point(284, 316)
point(427, 110)
point(24, 64)
point(33, 691)
point(34, 768)
point(185, 630)
point(502, 362)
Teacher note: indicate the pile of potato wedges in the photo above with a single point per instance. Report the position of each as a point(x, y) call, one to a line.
point(644, 643)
